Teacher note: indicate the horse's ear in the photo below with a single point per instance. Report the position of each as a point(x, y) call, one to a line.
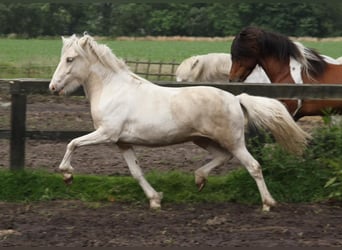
point(194, 63)
point(65, 39)
point(83, 41)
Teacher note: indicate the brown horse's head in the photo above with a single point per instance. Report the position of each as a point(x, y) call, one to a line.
point(245, 51)
point(270, 50)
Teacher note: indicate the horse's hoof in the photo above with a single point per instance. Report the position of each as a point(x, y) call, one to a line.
point(155, 201)
point(200, 182)
point(266, 207)
point(155, 204)
point(201, 185)
point(68, 178)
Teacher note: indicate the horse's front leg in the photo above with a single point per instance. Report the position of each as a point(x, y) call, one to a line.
point(133, 165)
point(65, 167)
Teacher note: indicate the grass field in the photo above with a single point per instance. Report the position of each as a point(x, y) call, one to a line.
point(21, 53)
point(38, 58)
point(41, 52)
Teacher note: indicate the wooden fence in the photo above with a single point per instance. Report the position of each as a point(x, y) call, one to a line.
point(20, 88)
point(156, 71)
point(153, 70)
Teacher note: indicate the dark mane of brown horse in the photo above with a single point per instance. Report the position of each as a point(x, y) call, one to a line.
point(258, 43)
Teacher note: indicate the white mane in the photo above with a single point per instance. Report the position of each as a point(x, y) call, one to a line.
point(307, 56)
point(87, 44)
point(208, 67)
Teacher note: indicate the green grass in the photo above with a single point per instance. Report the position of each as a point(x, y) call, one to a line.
point(39, 57)
point(329, 48)
point(20, 52)
point(47, 51)
point(177, 187)
point(43, 52)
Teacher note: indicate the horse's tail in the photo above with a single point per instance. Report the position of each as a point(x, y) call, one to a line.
point(270, 114)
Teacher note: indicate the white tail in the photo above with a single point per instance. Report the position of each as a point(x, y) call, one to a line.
point(271, 114)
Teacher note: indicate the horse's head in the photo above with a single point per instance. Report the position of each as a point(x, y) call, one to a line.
point(245, 51)
point(80, 58)
point(70, 72)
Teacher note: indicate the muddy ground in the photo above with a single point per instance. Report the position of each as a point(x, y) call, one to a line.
point(76, 223)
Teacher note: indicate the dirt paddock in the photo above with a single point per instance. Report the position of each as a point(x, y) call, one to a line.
point(74, 223)
point(77, 223)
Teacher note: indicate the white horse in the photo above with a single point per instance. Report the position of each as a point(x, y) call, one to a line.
point(213, 67)
point(128, 110)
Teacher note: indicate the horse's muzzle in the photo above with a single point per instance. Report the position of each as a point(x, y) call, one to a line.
point(54, 90)
point(235, 79)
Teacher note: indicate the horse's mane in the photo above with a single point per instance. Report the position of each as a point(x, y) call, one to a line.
point(101, 51)
point(208, 67)
point(279, 46)
point(186, 67)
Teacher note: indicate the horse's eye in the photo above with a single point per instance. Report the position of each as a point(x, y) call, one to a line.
point(69, 59)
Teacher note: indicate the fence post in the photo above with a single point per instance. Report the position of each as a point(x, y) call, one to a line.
point(159, 70)
point(18, 127)
point(148, 69)
point(173, 64)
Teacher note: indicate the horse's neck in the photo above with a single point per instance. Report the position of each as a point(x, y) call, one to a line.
point(102, 79)
point(94, 84)
point(277, 71)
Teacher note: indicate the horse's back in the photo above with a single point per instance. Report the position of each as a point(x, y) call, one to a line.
point(205, 104)
point(332, 74)
point(211, 113)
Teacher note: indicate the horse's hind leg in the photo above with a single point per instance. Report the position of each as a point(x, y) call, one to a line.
point(220, 156)
point(133, 165)
point(254, 168)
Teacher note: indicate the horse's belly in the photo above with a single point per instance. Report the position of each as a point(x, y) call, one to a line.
point(160, 135)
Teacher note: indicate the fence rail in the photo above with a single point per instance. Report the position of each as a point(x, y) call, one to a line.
point(20, 88)
point(159, 71)
point(154, 70)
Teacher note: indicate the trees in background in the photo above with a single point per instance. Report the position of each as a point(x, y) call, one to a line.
point(201, 19)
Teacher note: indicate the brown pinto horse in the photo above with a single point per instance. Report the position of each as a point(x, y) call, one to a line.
point(273, 52)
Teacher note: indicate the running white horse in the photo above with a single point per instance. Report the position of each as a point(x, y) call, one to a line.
point(213, 67)
point(128, 110)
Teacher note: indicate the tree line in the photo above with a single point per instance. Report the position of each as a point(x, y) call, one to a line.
point(141, 19)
